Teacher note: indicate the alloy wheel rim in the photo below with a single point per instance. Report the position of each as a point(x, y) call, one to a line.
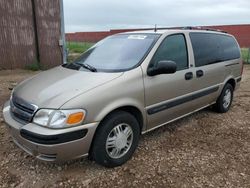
point(227, 98)
point(119, 141)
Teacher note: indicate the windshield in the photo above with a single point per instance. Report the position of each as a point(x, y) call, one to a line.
point(117, 53)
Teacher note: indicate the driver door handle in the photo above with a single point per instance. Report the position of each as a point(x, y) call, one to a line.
point(189, 76)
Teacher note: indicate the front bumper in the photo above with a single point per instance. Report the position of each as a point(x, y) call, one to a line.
point(50, 144)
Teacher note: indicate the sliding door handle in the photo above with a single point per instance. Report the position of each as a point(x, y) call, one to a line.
point(199, 73)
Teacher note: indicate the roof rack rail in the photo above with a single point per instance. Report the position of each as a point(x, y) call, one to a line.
point(218, 30)
point(203, 28)
point(191, 28)
point(164, 28)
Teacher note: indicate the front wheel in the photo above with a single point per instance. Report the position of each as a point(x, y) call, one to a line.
point(116, 139)
point(224, 101)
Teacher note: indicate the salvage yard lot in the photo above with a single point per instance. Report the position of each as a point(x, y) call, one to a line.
point(201, 150)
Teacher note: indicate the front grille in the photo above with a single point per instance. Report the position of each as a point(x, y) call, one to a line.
point(21, 110)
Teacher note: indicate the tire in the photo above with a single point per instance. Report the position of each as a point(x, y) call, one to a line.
point(123, 132)
point(225, 99)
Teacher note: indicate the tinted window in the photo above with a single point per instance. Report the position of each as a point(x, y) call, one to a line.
point(213, 48)
point(172, 48)
point(117, 53)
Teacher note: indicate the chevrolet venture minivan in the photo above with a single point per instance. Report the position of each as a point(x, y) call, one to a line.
point(124, 86)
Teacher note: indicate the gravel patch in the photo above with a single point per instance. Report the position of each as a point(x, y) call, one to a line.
point(205, 149)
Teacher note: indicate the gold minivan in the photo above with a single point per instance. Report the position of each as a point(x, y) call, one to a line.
point(125, 85)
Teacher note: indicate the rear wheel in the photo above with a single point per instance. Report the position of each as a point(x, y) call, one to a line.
point(116, 139)
point(224, 101)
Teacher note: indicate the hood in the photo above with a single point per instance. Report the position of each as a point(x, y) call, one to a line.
point(52, 88)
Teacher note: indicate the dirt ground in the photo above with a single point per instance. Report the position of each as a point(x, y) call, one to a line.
point(205, 149)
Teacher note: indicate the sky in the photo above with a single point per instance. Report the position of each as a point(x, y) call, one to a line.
point(102, 15)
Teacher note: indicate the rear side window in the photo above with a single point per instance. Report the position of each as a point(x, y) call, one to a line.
point(212, 48)
point(172, 48)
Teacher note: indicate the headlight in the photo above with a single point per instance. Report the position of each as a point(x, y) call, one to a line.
point(59, 118)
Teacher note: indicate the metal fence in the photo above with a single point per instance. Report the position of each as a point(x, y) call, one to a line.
point(30, 31)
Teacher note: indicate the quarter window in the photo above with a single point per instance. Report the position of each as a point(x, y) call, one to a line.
point(213, 48)
point(172, 48)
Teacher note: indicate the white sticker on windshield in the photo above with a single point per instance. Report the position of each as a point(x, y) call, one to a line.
point(138, 37)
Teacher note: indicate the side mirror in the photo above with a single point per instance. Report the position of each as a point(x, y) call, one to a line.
point(163, 67)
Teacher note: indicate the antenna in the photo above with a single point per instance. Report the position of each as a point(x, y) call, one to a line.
point(155, 28)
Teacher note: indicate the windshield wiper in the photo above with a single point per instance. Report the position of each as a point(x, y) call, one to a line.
point(87, 66)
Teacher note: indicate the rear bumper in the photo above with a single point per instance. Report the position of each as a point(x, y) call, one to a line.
point(50, 144)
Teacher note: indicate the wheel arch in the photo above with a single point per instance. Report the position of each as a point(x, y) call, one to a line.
point(231, 81)
point(133, 111)
point(130, 105)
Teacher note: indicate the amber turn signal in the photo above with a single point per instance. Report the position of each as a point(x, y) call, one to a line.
point(75, 118)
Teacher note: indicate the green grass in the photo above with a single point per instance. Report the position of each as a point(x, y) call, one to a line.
point(78, 47)
point(35, 66)
point(245, 55)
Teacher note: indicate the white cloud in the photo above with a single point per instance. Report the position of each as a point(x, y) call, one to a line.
point(93, 15)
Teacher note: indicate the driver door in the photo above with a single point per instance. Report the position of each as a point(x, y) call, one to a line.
point(166, 94)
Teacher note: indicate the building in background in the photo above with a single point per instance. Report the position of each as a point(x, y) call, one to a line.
point(30, 31)
point(241, 32)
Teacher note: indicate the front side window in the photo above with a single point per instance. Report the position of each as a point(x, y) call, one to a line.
point(172, 48)
point(117, 53)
